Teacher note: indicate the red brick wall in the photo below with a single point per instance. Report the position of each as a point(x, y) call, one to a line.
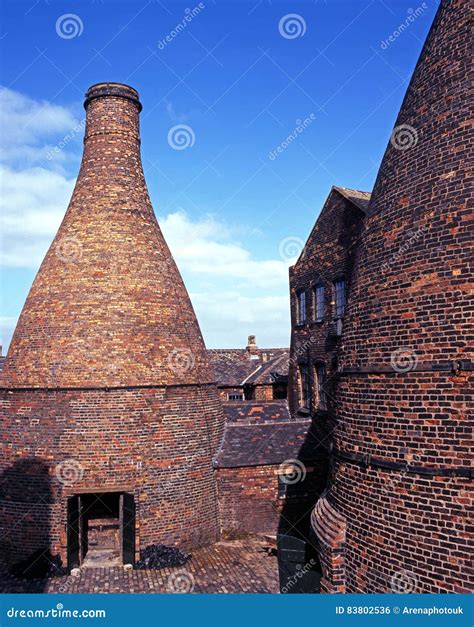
point(248, 499)
point(109, 341)
point(154, 442)
point(328, 255)
point(403, 396)
point(263, 392)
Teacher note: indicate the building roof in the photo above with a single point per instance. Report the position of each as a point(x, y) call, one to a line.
point(235, 367)
point(256, 412)
point(357, 197)
point(271, 371)
point(259, 434)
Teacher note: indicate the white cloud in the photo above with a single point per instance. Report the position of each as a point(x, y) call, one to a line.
point(206, 247)
point(233, 293)
point(32, 204)
point(27, 124)
point(227, 318)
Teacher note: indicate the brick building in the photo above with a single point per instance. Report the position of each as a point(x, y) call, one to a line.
point(252, 373)
point(388, 386)
point(254, 466)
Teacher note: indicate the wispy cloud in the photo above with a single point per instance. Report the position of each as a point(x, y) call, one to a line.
point(234, 293)
point(28, 127)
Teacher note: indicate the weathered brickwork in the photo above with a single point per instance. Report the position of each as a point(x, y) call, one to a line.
point(261, 444)
point(399, 492)
point(107, 385)
point(248, 499)
point(108, 306)
point(329, 536)
point(327, 256)
point(252, 373)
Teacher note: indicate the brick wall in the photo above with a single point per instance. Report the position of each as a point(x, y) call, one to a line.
point(328, 255)
point(248, 499)
point(403, 438)
point(107, 377)
point(156, 443)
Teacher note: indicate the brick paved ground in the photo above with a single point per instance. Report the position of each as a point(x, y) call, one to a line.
point(235, 567)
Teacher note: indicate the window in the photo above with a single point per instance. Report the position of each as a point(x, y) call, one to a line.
point(235, 396)
point(339, 297)
point(321, 400)
point(301, 307)
point(319, 303)
point(304, 386)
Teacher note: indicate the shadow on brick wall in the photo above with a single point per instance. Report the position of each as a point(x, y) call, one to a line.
point(298, 561)
point(25, 503)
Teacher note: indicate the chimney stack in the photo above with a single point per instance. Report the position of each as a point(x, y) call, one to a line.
point(252, 347)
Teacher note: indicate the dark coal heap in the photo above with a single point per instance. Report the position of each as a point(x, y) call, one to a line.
point(158, 556)
point(39, 565)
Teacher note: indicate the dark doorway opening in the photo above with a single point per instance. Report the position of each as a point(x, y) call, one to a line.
point(101, 529)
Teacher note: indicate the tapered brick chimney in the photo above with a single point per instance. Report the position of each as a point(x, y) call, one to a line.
point(108, 306)
point(107, 381)
point(395, 517)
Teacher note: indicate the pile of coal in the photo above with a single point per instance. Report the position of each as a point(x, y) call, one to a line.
point(158, 556)
point(39, 565)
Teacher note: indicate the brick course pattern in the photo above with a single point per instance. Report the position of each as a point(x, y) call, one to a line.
point(328, 255)
point(107, 378)
point(401, 458)
point(258, 438)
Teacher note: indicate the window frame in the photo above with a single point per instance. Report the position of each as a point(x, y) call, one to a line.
point(337, 292)
point(239, 394)
point(319, 287)
point(301, 296)
point(304, 387)
point(320, 383)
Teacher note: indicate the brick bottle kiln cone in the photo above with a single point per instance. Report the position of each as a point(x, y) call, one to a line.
point(395, 517)
point(110, 411)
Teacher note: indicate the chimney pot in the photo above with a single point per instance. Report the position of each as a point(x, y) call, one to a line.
point(251, 344)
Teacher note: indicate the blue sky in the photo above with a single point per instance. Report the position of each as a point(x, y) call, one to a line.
point(242, 76)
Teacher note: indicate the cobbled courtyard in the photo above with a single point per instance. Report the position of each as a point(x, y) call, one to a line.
point(238, 566)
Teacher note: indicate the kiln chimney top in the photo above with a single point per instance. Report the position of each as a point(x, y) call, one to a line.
point(120, 90)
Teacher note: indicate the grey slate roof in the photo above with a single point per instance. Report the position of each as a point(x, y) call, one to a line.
point(233, 366)
point(262, 433)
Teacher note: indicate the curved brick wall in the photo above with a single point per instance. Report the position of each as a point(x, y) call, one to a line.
point(401, 458)
point(153, 442)
point(107, 366)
